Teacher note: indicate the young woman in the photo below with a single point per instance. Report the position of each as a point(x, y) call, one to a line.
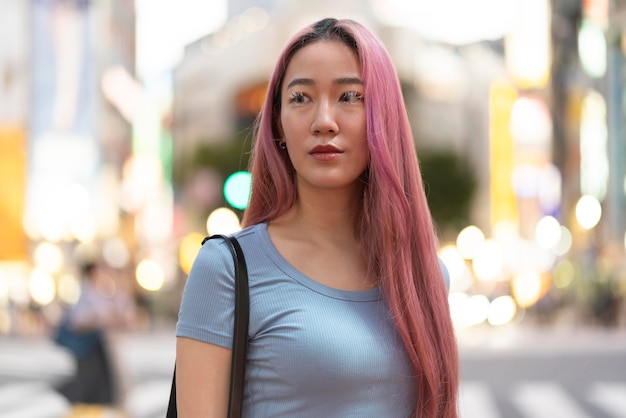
point(348, 307)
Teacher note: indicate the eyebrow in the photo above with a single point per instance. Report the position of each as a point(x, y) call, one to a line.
point(310, 82)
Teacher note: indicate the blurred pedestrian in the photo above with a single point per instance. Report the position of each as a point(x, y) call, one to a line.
point(103, 307)
point(349, 313)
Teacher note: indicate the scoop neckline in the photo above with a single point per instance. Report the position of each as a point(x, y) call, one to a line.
point(366, 295)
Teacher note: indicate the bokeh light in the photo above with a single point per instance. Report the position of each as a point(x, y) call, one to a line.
point(69, 289)
point(476, 309)
point(48, 257)
point(41, 287)
point(526, 288)
point(237, 189)
point(548, 232)
point(565, 242)
point(564, 274)
point(469, 240)
point(115, 252)
point(460, 275)
point(150, 275)
point(488, 261)
point(502, 310)
point(222, 221)
point(189, 247)
point(592, 48)
point(588, 211)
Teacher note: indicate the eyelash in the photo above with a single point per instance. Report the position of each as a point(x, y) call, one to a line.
point(352, 95)
point(348, 97)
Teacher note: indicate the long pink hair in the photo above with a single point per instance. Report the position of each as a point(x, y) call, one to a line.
point(395, 225)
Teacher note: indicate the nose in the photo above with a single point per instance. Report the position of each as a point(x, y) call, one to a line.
point(325, 121)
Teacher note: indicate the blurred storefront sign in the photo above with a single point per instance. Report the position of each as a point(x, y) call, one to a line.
point(13, 244)
point(503, 206)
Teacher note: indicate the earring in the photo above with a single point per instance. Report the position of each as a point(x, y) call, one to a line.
point(282, 145)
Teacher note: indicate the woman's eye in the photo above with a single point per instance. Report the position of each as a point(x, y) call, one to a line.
point(297, 98)
point(351, 97)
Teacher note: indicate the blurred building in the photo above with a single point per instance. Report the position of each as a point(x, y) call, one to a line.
point(219, 84)
point(62, 144)
point(528, 92)
point(527, 98)
point(14, 94)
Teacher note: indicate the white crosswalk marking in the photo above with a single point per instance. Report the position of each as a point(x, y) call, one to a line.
point(545, 400)
point(476, 401)
point(609, 397)
point(31, 400)
point(148, 399)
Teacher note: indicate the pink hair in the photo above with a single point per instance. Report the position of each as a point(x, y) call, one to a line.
point(395, 224)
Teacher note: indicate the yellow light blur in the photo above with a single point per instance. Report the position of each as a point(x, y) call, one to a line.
point(548, 232)
point(48, 257)
point(503, 206)
point(68, 289)
point(502, 310)
point(588, 211)
point(469, 240)
point(564, 274)
point(488, 261)
point(41, 287)
point(150, 275)
point(526, 288)
point(189, 247)
point(222, 221)
point(460, 276)
point(565, 242)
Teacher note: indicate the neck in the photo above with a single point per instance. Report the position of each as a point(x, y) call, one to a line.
point(326, 215)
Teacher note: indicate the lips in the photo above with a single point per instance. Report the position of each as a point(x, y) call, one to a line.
point(325, 153)
point(325, 149)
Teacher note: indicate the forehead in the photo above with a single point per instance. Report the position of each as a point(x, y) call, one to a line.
point(323, 59)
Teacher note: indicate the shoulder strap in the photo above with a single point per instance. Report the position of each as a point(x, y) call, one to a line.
point(240, 334)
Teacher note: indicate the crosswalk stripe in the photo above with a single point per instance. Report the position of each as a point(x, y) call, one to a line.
point(29, 400)
point(609, 397)
point(540, 399)
point(476, 401)
point(149, 399)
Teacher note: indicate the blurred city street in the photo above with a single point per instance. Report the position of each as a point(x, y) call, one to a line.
point(125, 133)
point(509, 372)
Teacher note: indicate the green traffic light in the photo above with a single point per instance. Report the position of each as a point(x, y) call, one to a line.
point(237, 189)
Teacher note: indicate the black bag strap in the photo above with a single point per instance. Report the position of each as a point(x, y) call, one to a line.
point(240, 334)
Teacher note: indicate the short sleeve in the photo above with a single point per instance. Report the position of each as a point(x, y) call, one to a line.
point(207, 306)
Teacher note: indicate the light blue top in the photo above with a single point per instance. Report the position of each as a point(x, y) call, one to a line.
point(314, 351)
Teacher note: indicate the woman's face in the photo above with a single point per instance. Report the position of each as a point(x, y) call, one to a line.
point(322, 116)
